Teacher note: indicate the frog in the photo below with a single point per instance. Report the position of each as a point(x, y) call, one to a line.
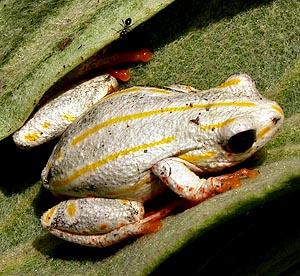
point(136, 143)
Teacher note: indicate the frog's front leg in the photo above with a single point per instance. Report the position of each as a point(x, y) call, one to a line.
point(99, 222)
point(179, 178)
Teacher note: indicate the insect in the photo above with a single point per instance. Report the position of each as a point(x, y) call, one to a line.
point(135, 143)
point(125, 27)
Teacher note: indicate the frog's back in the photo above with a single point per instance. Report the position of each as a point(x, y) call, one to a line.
point(114, 144)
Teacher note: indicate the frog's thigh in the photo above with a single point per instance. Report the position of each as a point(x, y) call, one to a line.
point(179, 178)
point(86, 216)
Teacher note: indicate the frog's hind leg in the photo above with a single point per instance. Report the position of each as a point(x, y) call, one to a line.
point(104, 240)
point(100, 222)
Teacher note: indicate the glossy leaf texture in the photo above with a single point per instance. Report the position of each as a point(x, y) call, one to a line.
point(199, 43)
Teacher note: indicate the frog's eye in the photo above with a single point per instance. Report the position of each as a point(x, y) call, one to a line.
point(241, 141)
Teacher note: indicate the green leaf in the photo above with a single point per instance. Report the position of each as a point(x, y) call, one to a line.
point(200, 43)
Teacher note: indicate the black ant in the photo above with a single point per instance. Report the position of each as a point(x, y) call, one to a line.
point(125, 25)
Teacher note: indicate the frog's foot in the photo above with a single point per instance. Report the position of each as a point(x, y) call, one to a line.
point(230, 181)
point(100, 222)
point(179, 178)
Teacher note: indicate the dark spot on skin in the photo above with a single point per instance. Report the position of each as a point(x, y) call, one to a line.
point(207, 108)
point(191, 105)
point(145, 151)
point(195, 121)
point(91, 187)
point(212, 129)
point(275, 120)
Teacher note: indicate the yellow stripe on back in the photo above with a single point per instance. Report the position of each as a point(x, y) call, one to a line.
point(197, 158)
point(278, 109)
point(217, 125)
point(109, 158)
point(229, 83)
point(154, 112)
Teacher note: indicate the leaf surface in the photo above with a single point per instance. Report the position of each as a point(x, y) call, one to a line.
point(200, 43)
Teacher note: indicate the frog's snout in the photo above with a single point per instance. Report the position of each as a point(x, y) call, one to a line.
point(275, 118)
point(278, 116)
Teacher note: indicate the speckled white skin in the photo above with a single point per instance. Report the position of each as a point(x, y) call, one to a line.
point(115, 149)
point(140, 226)
point(51, 120)
point(86, 215)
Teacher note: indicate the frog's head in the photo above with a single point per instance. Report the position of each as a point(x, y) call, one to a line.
point(246, 130)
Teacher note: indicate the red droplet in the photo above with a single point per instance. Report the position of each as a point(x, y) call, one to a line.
point(123, 75)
